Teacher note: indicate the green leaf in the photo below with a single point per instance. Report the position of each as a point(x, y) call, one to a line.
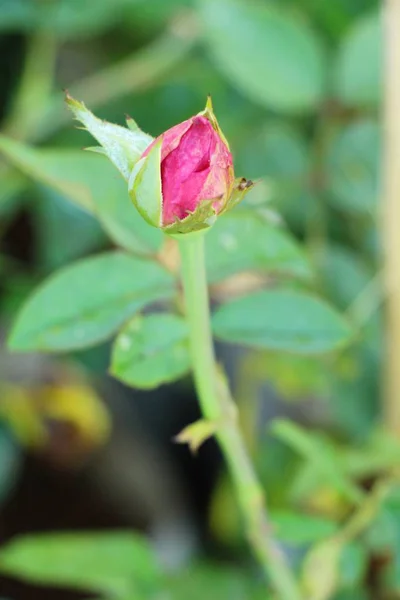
point(276, 151)
point(355, 392)
point(154, 16)
point(281, 320)
point(273, 58)
point(358, 80)
point(151, 350)
point(12, 183)
point(114, 562)
point(353, 565)
point(121, 220)
point(91, 182)
point(244, 241)
point(343, 274)
point(300, 529)
point(16, 14)
point(357, 594)
point(220, 583)
point(10, 462)
point(334, 18)
point(87, 302)
point(383, 533)
point(58, 169)
point(298, 206)
point(64, 18)
point(353, 167)
point(321, 456)
point(295, 376)
point(52, 217)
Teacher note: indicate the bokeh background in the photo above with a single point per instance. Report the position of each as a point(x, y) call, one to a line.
point(296, 85)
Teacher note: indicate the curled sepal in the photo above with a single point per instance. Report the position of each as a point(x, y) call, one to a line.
point(240, 189)
point(196, 434)
point(96, 150)
point(202, 218)
point(123, 146)
point(144, 186)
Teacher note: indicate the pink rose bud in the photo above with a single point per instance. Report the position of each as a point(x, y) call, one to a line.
point(181, 180)
point(196, 178)
point(196, 165)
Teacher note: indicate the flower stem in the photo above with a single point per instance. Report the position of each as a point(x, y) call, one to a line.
point(217, 406)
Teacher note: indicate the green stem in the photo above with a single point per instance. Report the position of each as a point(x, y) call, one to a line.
point(34, 89)
point(217, 406)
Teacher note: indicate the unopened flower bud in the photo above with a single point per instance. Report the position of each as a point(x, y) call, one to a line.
point(180, 181)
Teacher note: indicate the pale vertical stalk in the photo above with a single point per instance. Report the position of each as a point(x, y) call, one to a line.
point(35, 86)
point(391, 213)
point(217, 406)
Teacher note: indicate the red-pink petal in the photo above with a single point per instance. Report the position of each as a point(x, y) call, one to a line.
point(196, 165)
point(170, 138)
point(185, 170)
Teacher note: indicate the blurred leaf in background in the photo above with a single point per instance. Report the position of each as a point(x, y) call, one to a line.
point(358, 68)
point(272, 58)
point(113, 563)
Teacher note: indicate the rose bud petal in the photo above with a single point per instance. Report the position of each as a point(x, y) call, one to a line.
point(196, 165)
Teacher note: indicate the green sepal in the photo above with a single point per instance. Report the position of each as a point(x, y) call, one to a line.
point(144, 186)
point(208, 112)
point(131, 123)
point(202, 218)
point(240, 189)
point(96, 150)
point(123, 146)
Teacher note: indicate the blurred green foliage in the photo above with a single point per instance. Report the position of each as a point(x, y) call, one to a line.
point(297, 88)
